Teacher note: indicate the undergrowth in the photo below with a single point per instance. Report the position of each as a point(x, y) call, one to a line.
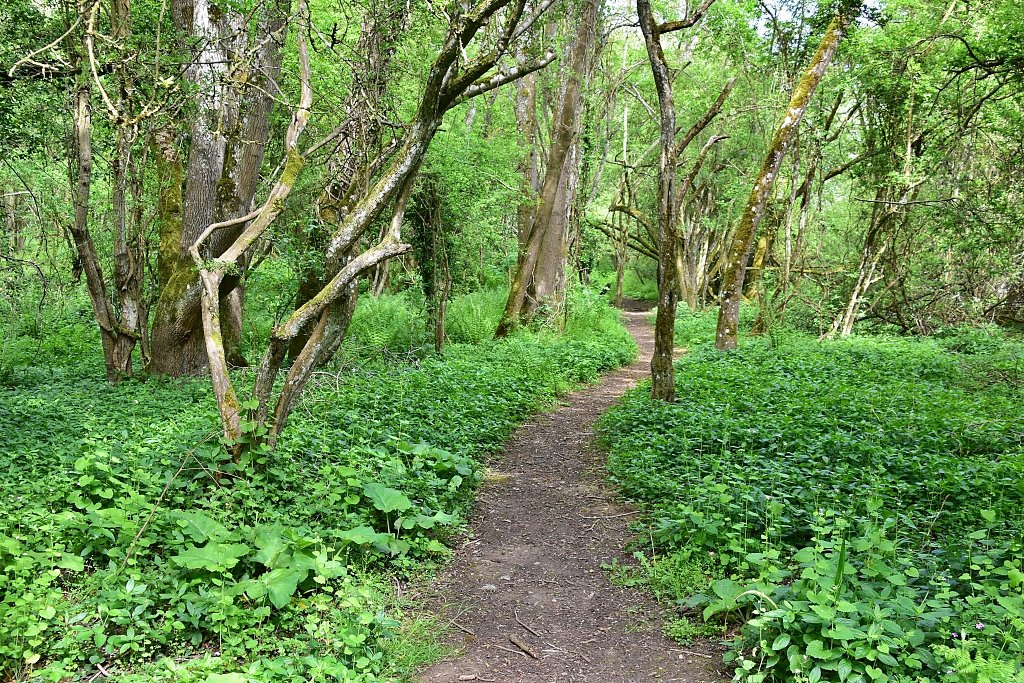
point(130, 541)
point(857, 505)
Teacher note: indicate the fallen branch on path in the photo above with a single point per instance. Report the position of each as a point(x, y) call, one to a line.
point(624, 514)
point(515, 652)
point(522, 646)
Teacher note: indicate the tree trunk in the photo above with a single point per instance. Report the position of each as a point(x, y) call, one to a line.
point(727, 333)
point(548, 224)
point(662, 373)
point(669, 200)
point(228, 134)
point(177, 336)
point(128, 262)
point(81, 143)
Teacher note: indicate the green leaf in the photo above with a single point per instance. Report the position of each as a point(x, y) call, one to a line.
point(363, 535)
point(845, 668)
point(873, 672)
point(71, 562)
point(804, 555)
point(271, 543)
point(214, 557)
point(226, 678)
point(435, 546)
point(426, 522)
point(727, 589)
point(816, 649)
point(844, 632)
point(885, 658)
point(385, 499)
point(200, 528)
point(281, 585)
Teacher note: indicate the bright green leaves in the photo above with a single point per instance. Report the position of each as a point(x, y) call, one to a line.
point(199, 527)
point(278, 584)
point(91, 564)
point(214, 557)
point(860, 503)
point(385, 499)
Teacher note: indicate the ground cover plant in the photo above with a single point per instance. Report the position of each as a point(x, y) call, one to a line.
point(857, 504)
point(130, 540)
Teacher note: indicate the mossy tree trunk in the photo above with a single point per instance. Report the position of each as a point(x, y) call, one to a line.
point(541, 262)
point(229, 131)
point(449, 82)
point(744, 240)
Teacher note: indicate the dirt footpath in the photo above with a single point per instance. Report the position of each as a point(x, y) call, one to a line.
point(530, 578)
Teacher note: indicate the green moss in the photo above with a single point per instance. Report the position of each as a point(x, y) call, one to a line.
point(293, 165)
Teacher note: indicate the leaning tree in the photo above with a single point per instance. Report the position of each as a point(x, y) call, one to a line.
point(473, 58)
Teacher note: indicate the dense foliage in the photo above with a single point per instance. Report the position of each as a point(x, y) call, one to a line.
point(129, 537)
point(859, 503)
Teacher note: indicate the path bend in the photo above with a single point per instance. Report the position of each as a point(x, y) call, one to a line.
point(544, 523)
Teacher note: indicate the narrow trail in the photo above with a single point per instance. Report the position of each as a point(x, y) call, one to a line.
point(544, 523)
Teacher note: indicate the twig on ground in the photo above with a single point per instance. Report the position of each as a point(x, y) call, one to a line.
point(522, 646)
point(516, 611)
point(508, 649)
point(461, 627)
point(624, 514)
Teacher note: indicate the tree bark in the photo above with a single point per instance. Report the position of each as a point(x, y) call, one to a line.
point(228, 135)
point(128, 260)
point(662, 373)
point(547, 227)
point(727, 332)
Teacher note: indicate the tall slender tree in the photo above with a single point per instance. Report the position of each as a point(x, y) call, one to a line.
point(727, 332)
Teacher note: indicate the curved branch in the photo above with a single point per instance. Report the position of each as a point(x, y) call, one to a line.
point(689, 21)
point(502, 77)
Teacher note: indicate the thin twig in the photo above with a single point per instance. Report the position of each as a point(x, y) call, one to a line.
point(516, 611)
point(461, 627)
point(691, 652)
point(624, 514)
point(507, 649)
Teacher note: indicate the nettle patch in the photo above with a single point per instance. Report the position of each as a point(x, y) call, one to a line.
point(855, 507)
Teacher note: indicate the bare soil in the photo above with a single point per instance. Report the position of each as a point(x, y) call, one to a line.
point(529, 576)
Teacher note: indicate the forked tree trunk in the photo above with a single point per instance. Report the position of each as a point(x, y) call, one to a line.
point(727, 332)
point(228, 133)
point(548, 225)
point(662, 373)
point(448, 83)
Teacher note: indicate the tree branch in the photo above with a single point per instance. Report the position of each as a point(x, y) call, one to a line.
point(689, 21)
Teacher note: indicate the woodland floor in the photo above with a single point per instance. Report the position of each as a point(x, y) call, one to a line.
point(545, 521)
